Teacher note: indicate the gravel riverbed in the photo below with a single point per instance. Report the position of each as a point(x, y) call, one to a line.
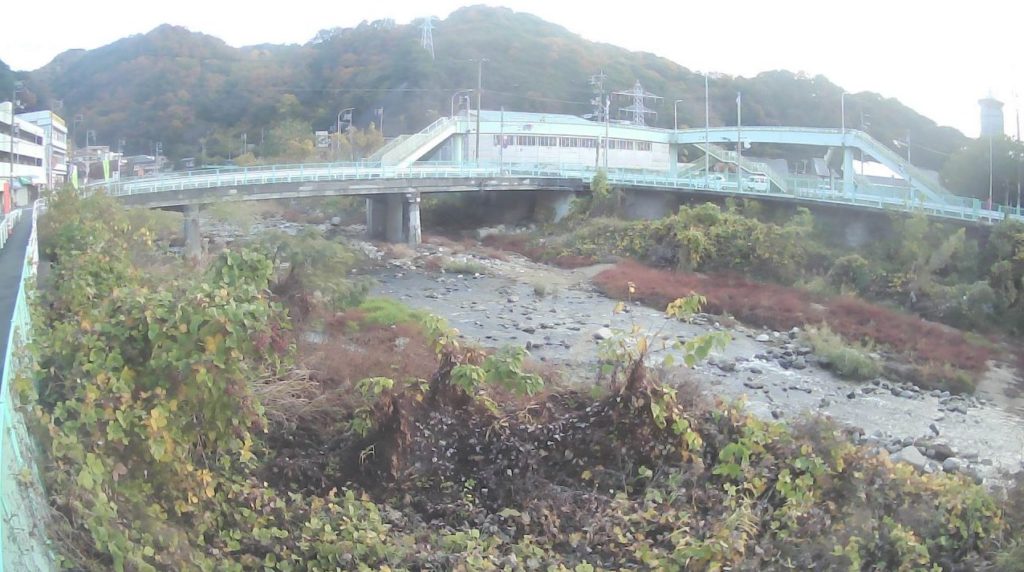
point(778, 376)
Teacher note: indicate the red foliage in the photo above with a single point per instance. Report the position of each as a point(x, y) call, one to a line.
point(521, 244)
point(780, 308)
point(347, 356)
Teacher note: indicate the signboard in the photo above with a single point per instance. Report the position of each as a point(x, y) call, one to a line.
point(322, 139)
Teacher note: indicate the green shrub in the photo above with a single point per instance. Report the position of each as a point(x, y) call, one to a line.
point(847, 360)
point(389, 312)
point(464, 267)
point(848, 272)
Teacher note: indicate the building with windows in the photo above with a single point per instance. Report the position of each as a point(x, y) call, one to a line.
point(55, 141)
point(22, 154)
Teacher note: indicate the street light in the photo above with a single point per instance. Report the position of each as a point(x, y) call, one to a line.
point(842, 110)
point(479, 94)
point(675, 114)
point(707, 129)
point(456, 95)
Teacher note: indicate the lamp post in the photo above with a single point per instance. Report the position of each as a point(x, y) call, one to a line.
point(707, 129)
point(13, 133)
point(479, 94)
point(842, 111)
point(675, 114)
point(456, 95)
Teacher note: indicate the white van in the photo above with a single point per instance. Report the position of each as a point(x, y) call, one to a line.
point(756, 183)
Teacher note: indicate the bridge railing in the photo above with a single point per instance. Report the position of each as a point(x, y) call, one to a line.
point(865, 193)
point(7, 226)
point(23, 539)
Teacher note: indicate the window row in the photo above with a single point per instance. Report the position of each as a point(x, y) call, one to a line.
point(570, 142)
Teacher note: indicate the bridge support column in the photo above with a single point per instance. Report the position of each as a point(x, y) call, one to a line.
point(394, 229)
point(848, 184)
point(376, 210)
point(552, 206)
point(673, 160)
point(193, 237)
point(414, 233)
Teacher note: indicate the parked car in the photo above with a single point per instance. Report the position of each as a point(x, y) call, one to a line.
point(756, 183)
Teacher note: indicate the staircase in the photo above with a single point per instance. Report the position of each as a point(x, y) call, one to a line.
point(405, 152)
point(753, 167)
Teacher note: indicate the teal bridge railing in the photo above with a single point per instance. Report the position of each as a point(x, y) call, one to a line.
point(866, 194)
point(23, 507)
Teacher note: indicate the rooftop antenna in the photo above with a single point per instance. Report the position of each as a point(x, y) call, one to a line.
point(427, 36)
point(597, 85)
point(639, 108)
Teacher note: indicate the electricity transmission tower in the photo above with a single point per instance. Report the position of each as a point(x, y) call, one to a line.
point(638, 109)
point(427, 35)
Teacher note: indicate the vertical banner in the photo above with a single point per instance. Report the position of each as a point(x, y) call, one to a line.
point(7, 197)
point(74, 176)
point(106, 169)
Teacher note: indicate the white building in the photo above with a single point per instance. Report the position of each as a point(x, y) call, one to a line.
point(25, 154)
point(55, 140)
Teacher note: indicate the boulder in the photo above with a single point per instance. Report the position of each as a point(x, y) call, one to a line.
point(603, 334)
point(951, 465)
point(763, 338)
point(911, 455)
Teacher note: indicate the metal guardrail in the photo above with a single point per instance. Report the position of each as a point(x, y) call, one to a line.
point(23, 509)
point(7, 225)
point(868, 195)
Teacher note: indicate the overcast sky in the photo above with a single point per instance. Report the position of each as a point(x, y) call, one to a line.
point(939, 57)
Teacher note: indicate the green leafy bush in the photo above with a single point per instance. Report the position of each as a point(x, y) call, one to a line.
point(852, 361)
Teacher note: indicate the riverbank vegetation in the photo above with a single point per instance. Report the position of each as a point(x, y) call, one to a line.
point(189, 423)
point(912, 291)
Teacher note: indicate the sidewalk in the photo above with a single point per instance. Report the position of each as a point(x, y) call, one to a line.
point(12, 259)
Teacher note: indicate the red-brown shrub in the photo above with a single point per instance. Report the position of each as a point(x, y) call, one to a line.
point(780, 308)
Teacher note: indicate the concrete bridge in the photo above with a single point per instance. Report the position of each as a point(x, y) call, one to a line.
point(559, 155)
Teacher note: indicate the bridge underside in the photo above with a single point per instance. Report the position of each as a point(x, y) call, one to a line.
point(392, 205)
point(197, 197)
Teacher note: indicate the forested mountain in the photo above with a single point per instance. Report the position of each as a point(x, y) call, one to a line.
point(192, 92)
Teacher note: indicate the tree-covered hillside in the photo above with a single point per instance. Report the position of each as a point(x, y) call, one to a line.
point(186, 89)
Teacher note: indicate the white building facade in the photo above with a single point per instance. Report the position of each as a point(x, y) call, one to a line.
point(23, 152)
point(55, 141)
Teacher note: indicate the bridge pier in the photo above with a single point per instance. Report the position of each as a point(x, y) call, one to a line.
point(376, 209)
point(848, 184)
point(193, 237)
point(393, 219)
point(414, 234)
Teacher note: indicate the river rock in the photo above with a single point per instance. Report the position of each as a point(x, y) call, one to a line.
point(911, 455)
point(603, 334)
point(951, 465)
point(726, 365)
point(763, 338)
point(753, 384)
point(799, 363)
point(941, 451)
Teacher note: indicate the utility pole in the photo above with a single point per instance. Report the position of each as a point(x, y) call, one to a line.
point(739, 141)
point(990, 175)
point(479, 93)
point(13, 134)
point(501, 142)
point(707, 129)
point(607, 121)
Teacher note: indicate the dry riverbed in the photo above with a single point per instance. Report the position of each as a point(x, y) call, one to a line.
point(561, 319)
